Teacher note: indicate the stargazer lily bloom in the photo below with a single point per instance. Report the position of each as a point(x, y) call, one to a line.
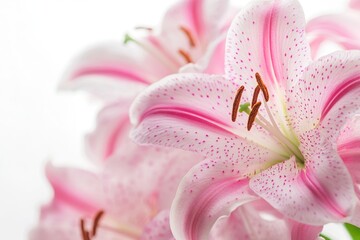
point(129, 199)
point(129, 202)
point(191, 38)
point(270, 126)
point(341, 29)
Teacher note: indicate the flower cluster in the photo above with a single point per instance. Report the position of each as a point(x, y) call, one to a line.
point(221, 124)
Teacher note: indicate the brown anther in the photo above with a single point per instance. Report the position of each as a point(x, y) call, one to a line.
point(185, 55)
point(252, 115)
point(188, 35)
point(97, 219)
point(143, 28)
point(262, 86)
point(85, 234)
point(255, 96)
point(236, 103)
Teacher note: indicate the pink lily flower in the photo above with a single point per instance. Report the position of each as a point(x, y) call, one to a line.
point(282, 144)
point(91, 206)
point(341, 29)
point(128, 199)
point(191, 38)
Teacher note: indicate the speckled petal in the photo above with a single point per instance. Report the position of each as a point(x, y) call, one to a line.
point(327, 95)
point(210, 190)
point(319, 194)
point(267, 37)
point(348, 146)
point(158, 228)
point(193, 112)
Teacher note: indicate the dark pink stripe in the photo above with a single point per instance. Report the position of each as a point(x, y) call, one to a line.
point(349, 145)
point(113, 138)
point(320, 193)
point(339, 92)
point(196, 14)
point(190, 115)
point(72, 198)
point(269, 42)
point(110, 72)
point(197, 214)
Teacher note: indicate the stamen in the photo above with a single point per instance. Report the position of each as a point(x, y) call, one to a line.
point(188, 35)
point(185, 55)
point(255, 96)
point(85, 234)
point(262, 86)
point(143, 28)
point(96, 222)
point(236, 103)
point(252, 115)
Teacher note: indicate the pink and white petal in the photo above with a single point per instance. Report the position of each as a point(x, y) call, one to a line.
point(247, 223)
point(267, 37)
point(327, 95)
point(300, 231)
point(204, 18)
point(131, 184)
point(158, 228)
point(55, 231)
point(355, 220)
point(348, 147)
point(178, 163)
point(73, 188)
point(355, 4)
point(193, 112)
point(339, 28)
point(113, 70)
point(111, 134)
point(209, 191)
point(321, 193)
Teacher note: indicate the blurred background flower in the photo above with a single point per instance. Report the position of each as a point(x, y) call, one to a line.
point(39, 38)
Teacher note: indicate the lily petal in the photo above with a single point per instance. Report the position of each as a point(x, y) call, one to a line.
point(246, 223)
point(111, 135)
point(348, 146)
point(267, 37)
point(77, 194)
point(74, 188)
point(113, 70)
point(320, 193)
point(300, 231)
point(210, 190)
point(355, 4)
point(193, 112)
point(205, 18)
point(132, 198)
point(158, 228)
point(337, 28)
point(328, 94)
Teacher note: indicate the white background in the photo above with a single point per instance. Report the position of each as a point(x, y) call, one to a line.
point(38, 38)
